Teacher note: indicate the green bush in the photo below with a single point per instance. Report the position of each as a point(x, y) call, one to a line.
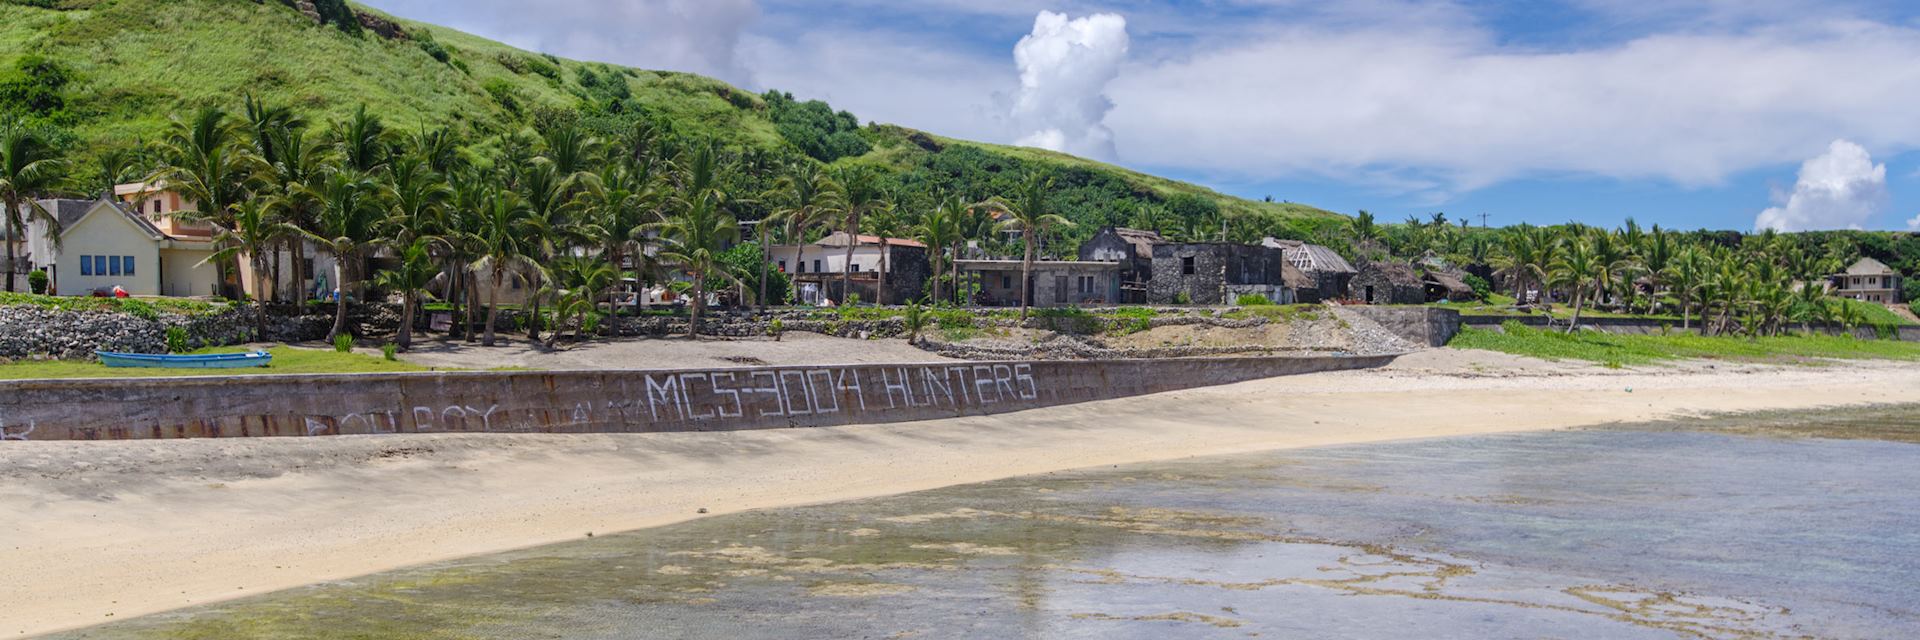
point(37, 281)
point(1481, 288)
point(1252, 300)
point(1182, 298)
point(177, 340)
point(343, 343)
point(137, 308)
point(388, 351)
point(503, 92)
point(1914, 307)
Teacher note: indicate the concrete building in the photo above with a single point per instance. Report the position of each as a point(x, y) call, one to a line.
point(1133, 250)
point(108, 245)
point(1868, 280)
point(1388, 283)
point(1328, 273)
point(1054, 282)
point(1219, 273)
point(823, 263)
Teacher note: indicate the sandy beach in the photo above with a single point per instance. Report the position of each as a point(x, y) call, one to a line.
point(99, 531)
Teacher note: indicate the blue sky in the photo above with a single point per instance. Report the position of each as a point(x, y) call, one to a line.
point(1793, 114)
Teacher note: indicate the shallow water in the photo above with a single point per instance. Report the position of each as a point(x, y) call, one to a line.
point(1657, 531)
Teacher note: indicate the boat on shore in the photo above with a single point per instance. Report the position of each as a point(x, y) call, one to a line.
point(196, 361)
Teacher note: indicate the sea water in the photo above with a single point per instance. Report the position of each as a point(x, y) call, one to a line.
point(1748, 527)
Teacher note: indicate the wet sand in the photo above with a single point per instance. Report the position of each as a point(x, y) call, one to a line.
point(107, 530)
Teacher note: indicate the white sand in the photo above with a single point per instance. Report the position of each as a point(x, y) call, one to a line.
point(98, 531)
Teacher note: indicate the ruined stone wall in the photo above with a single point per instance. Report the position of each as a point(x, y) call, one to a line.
point(597, 401)
point(1419, 325)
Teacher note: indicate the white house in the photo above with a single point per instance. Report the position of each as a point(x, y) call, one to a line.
point(108, 245)
point(822, 264)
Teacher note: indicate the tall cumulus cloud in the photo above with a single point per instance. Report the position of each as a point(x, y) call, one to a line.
point(1839, 189)
point(1065, 65)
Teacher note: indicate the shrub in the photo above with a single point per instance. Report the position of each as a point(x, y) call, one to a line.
point(37, 281)
point(1252, 300)
point(177, 340)
point(503, 92)
point(775, 328)
point(343, 343)
point(1182, 298)
point(137, 308)
point(387, 351)
point(1480, 286)
point(436, 51)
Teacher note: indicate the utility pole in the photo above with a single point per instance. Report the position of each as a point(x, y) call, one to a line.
point(1483, 220)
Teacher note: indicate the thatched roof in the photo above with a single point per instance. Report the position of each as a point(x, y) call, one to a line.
point(1293, 277)
point(1452, 283)
point(1397, 273)
point(1141, 240)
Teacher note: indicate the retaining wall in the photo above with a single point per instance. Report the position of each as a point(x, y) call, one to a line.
point(1640, 326)
point(598, 401)
point(1428, 326)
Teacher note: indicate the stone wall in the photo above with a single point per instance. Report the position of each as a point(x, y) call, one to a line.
point(597, 401)
point(1216, 266)
point(1419, 325)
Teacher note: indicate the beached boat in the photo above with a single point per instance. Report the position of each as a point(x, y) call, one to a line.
point(202, 361)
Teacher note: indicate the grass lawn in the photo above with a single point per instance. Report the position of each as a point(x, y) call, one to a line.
point(1620, 350)
point(286, 360)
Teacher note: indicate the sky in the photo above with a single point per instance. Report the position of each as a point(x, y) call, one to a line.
point(1721, 114)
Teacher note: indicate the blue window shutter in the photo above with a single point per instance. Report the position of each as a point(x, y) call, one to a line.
point(99, 265)
point(113, 265)
point(86, 265)
point(128, 260)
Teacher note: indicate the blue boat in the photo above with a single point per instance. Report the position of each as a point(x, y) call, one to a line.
point(203, 361)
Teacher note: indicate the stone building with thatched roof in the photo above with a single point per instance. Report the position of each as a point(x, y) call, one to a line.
point(1446, 286)
point(1382, 282)
point(1328, 273)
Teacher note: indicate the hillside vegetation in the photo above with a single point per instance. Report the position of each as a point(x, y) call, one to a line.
point(112, 73)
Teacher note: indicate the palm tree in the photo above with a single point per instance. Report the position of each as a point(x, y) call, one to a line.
point(1687, 274)
point(501, 237)
point(860, 195)
point(413, 271)
point(362, 140)
point(204, 165)
point(807, 196)
point(940, 231)
point(694, 237)
point(1029, 214)
point(580, 280)
point(885, 225)
point(348, 225)
point(257, 229)
point(294, 173)
point(549, 197)
point(28, 168)
point(1578, 267)
point(629, 198)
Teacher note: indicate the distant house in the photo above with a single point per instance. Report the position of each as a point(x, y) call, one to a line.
point(1446, 286)
point(109, 245)
point(1219, 273)
point(1868, 280)
point(1054, 282)
point(823, 263)
point(1328, 273)
point(1388, 283)
point(33, 251)
point(1133, 250)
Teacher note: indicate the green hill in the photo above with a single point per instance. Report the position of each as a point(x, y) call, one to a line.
point(112, 72)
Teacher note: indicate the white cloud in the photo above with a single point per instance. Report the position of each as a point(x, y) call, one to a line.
point(1065, 65)
point(1455, 106)
point(1913, 224)
point(1839, 189)
point(698, 36)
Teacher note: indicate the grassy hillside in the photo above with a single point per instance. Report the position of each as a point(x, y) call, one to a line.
point(135, 63)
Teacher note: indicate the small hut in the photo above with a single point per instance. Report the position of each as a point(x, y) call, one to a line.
point(1445, 286)
point(1388, 283)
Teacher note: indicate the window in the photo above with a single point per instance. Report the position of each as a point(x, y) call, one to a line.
point(816, 266)
point(127, 262)
point(156, 206)
point(1186, 266)
point(99, 265)
point(1006, 282)
point(783, 266)
point(113, 265)
point(86, 265)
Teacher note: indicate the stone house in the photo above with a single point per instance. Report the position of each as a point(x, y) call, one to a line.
point(1868, 280)
point(1133, 250)
point(822, 264)
point(1388, 283)
point(1328, 273)
point(1212, 273)
point(1446, 286)
point(1054, 282)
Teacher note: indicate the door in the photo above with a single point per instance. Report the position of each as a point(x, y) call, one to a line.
point(1369, 294)
point(1059, 289)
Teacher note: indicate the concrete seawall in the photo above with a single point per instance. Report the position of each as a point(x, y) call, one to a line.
point(598, 401)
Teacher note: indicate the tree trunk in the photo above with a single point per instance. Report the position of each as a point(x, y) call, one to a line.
point(299, 296)
point(1579, 297)
point(765, 257)
point(13, 209)
point(699, 303)
point(493, 305)
point(405, 339)
point(471, 284)
point(533, 304)
point(259, 306)
point(1026, 277)
point(880, 288)
point(339, 299)
point(956, 277)
point(846, 270)
point(1686, 313)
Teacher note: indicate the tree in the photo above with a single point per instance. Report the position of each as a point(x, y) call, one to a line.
point(348, 225)
point(581, 280)
point(205, 165)
point(1029, 214)
point(696, 233)
point(28, 168)
point(500, 237)
point(860, 195)
point(257, 229)
point(1577, 268)
point(413, 269)
point(807, 197)
point(940, 231)
point(1686, 275)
